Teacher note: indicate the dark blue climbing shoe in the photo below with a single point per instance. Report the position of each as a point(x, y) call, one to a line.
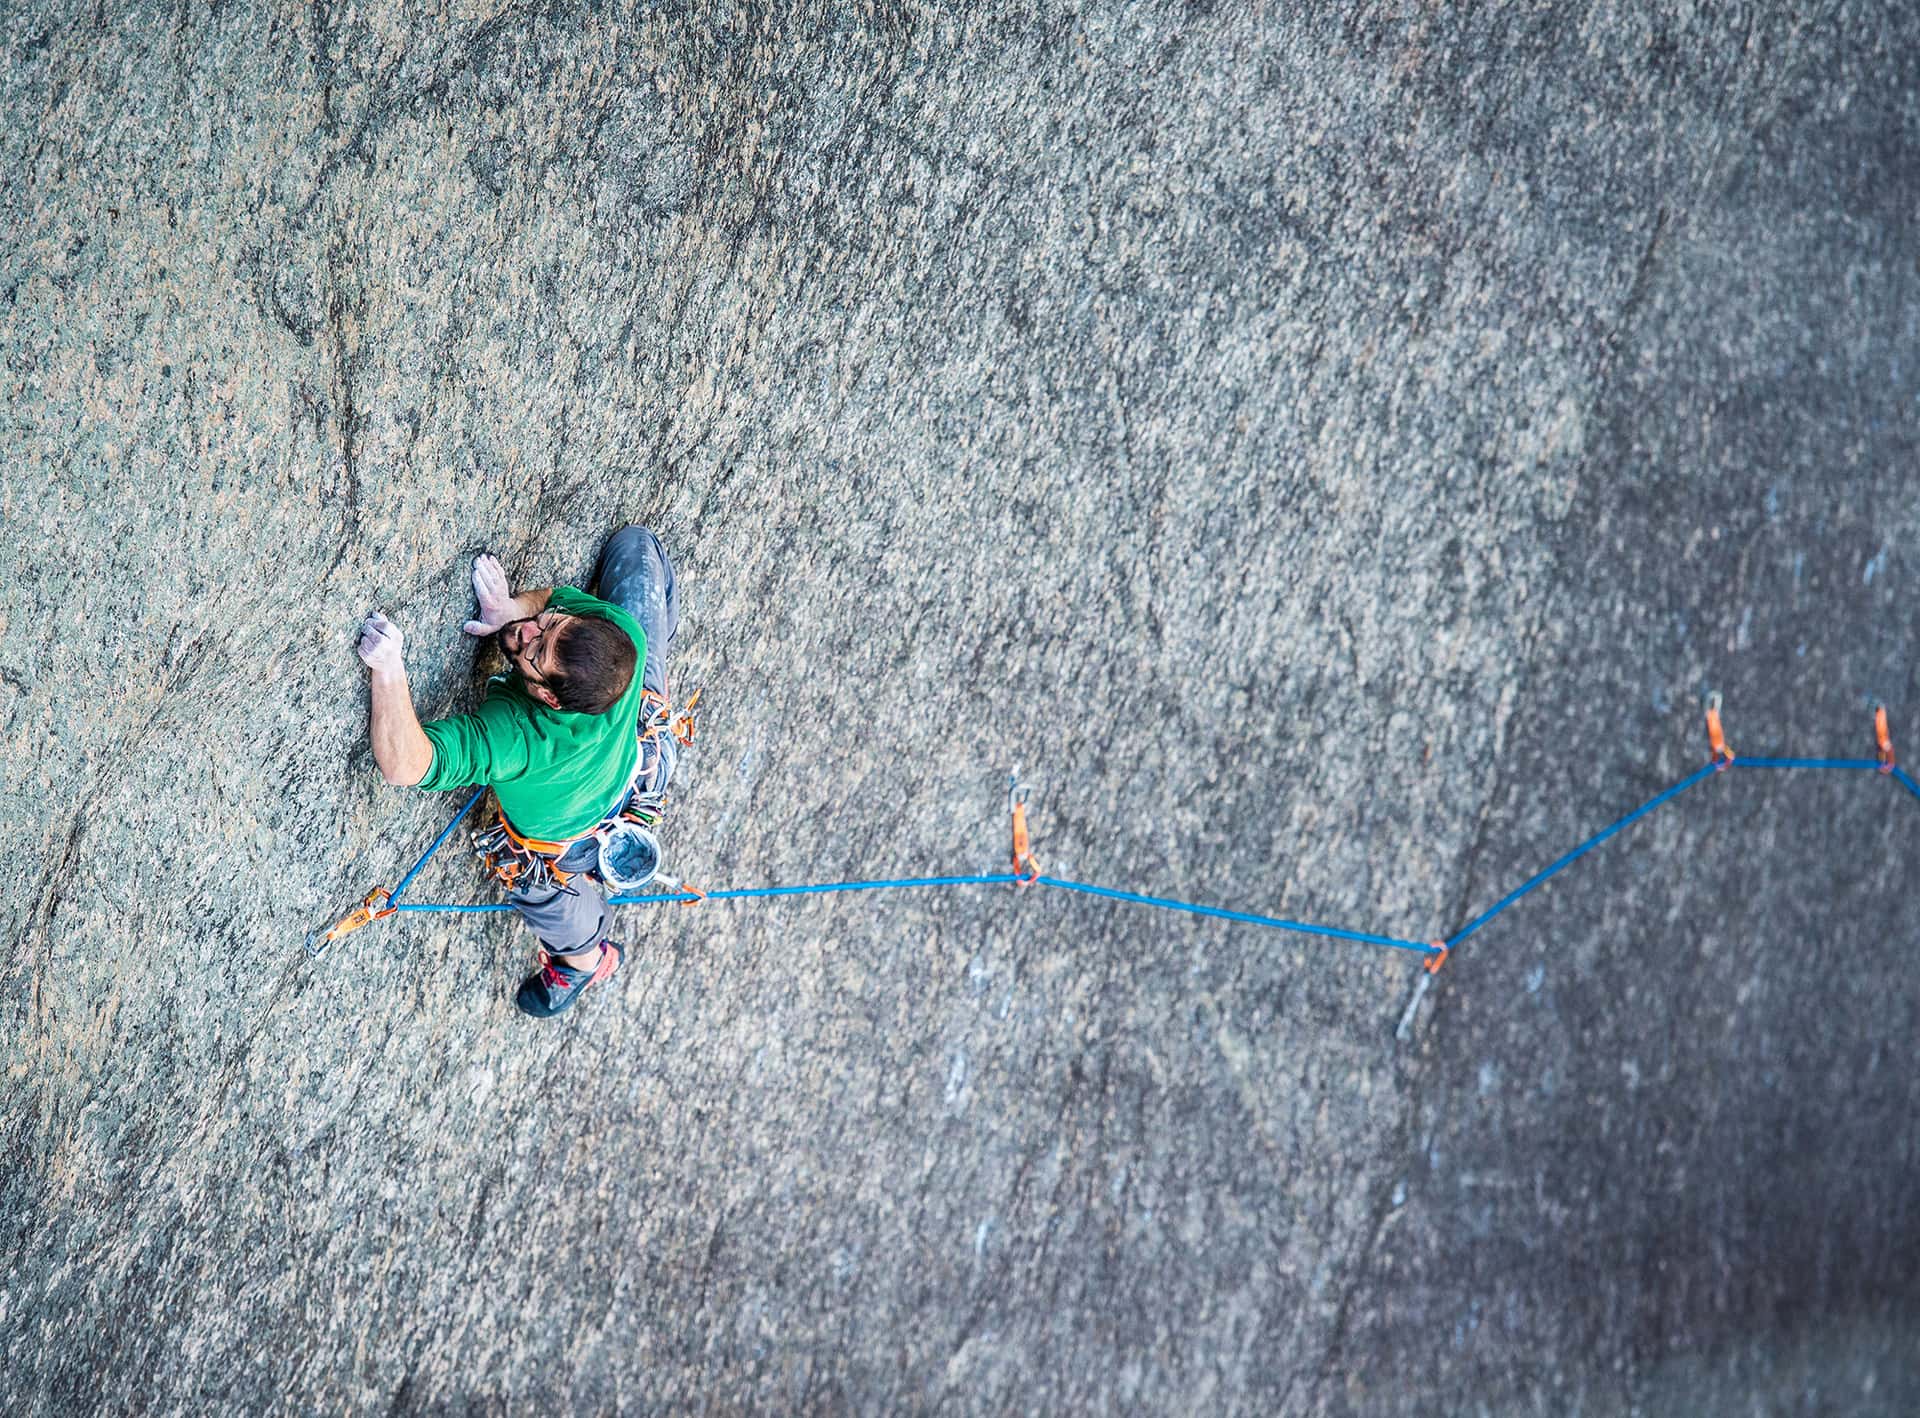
point(555, 986)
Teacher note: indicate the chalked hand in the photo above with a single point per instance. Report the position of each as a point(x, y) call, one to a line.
point(490, 589)
point(380, 642)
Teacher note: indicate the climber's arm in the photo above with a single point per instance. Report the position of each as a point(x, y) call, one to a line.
point(399, 747)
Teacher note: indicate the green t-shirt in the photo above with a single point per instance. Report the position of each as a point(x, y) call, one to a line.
point(556, 773)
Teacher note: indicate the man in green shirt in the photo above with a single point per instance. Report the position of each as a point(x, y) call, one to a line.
point(557, 738)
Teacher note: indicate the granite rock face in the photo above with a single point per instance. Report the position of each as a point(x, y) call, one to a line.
point(1328, 449)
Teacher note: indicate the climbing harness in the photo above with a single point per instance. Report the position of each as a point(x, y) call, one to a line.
point(379, 904)
point(524, 863)
point(627, 853)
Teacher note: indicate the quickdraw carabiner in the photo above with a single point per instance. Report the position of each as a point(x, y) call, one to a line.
point(373, 908)
point(1026, 867)
point(1716, 740)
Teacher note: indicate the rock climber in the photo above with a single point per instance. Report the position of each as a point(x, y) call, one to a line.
point(565, 738)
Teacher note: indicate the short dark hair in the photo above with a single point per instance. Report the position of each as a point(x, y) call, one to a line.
point(593, 663)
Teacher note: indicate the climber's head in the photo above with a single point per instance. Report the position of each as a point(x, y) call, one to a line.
point(578, 663)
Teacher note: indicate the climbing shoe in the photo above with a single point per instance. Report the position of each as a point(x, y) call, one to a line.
point(556, 985)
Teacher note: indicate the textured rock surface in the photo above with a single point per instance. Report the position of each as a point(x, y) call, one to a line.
point(1328, 451)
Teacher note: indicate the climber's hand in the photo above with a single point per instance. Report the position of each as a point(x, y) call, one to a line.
point(380, 642)
point(490, 589)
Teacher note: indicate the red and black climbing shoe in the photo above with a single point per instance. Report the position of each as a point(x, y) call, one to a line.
point(556, 985)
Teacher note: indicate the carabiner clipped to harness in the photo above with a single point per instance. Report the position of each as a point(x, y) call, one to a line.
point(1026, 867)
point(521, 863)
point(660, 717)
point(680, 725)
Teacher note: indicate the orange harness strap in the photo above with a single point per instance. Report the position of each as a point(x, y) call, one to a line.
point(515, 856)
point(534, 844)
point(552, 851)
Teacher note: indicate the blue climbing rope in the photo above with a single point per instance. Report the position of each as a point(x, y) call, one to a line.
point(407, 880)
point(1678, 788)
point(1276, 922)
point(1901, 775)
point(991, 879)
point(1867, 763)
point(745, 893)
point(1435, 950)
point(1578, 852)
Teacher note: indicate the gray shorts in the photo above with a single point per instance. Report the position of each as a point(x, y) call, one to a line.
point(635, 575)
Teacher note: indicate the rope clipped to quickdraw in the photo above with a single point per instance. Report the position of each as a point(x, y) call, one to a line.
point(1720, 757)
point(377, 906)
point(1430, 967)
point(1026, 867)
point(387, 901)
point(1716, 740)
